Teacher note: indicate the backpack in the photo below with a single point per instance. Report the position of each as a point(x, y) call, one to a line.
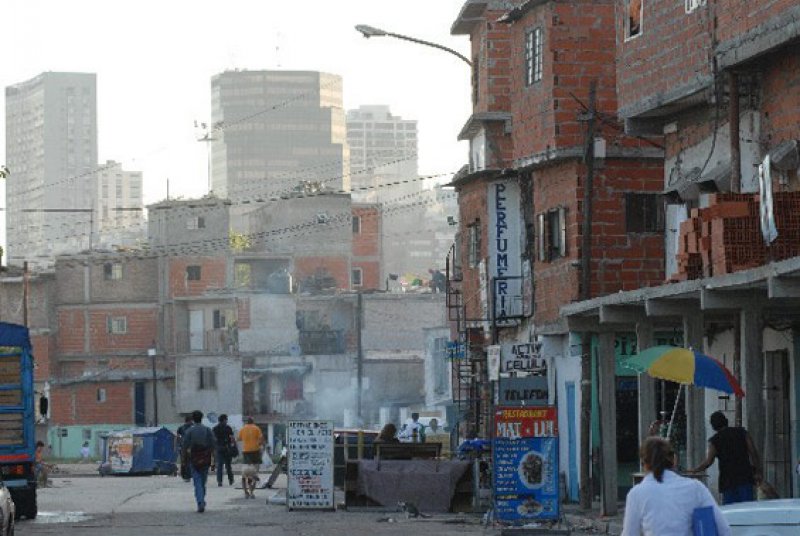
point(200, 457)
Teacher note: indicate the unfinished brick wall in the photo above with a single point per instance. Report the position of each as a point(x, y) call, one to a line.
point(367, 242)
point(491, 47)
point(337, 267)
point(43, 352)
point(620, 260)
point(71, 331)
point(578, 47)
point(780, 102)
point(472, 208)
point(673, 50)
point(78, 404)
point(212, 275)
point(736, 17)
point(142, 329)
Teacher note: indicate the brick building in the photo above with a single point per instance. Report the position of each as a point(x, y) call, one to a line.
point(718, 79)
point(519, 253)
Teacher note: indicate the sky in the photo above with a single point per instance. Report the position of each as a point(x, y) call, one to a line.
point(154, 61)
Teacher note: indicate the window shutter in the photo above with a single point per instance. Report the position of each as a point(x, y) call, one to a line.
point(540, 236)
point(562, 221)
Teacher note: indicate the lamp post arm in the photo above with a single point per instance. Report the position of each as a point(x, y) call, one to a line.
point(430, 44)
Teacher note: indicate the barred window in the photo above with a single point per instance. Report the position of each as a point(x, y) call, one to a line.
point(533, 56)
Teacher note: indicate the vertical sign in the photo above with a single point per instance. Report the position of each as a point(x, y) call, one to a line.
point(505, 254)
point(493, 362)
point(310, 465)
point(526, 464)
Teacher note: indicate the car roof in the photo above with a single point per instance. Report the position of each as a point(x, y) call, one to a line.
point(776, 512)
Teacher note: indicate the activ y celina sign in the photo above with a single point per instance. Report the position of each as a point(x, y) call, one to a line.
point(505, 249)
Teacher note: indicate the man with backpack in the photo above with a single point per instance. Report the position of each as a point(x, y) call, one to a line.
point(226, 448)
point(199, 445)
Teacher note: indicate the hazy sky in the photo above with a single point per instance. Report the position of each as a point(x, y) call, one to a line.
point(154, 61)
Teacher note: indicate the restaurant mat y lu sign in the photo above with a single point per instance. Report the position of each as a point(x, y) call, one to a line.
point(516, 423)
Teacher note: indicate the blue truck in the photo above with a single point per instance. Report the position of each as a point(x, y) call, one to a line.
point(17, 418)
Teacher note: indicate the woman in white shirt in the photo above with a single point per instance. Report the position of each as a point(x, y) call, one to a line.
point(663, 503)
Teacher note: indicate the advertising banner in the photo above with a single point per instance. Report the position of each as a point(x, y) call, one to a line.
point(515, 423)
point(310, 465)
point(526, 391)
point(526, 479)
point(505, 250)
point(522, 357)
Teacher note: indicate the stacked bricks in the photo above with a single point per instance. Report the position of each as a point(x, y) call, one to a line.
point(726, 237)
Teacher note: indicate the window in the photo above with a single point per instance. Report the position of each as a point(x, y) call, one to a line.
point(474, 245)
point(475, 79)
point(220, 318)
point(87, 433)
point(112, 271)
point(634, 11)
point(644, 213)
point(117, 325)
point(356, 224)
point(207, 378)
point(533, 56)
point(691, 5)
point(356, 277)
point(196, 223)
point(551, 234)
point(193, 273)
point(101, 395)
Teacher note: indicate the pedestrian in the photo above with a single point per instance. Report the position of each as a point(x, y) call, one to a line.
point(85, 451)
point(739, 462)
point(199, 445)
point(665, 502)
point(39, 467)
point(226, 448)
point(186, 473)
point(388, 434)
point(252, 440)
point(414, 431)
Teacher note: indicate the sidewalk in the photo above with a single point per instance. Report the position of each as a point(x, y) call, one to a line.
point(591, 521)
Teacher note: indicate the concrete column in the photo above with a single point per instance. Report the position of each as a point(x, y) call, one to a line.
point(607, 383)
point(695, 397)
point(752, 346)
point(647, 385)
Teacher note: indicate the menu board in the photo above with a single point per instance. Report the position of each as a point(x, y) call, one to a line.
point(526, 478)
point(310, 465)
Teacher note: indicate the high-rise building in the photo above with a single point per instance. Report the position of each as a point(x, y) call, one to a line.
point(119, 211)
point(383, 149)
point(275, 131)
point(51, 152)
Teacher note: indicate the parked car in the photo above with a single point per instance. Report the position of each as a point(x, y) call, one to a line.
point(780, 517)
point(7, 511)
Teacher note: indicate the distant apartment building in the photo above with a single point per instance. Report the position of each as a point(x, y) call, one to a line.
point(51, 151)
point(273, 131)
point(383, 149)
point(119, 210)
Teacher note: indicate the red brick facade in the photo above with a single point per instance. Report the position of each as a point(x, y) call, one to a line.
point(212, 275)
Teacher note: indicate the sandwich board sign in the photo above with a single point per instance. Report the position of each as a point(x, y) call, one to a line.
point(310, 465)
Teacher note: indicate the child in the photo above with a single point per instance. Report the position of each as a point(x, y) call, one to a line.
point(249, 480)
point(85, 451)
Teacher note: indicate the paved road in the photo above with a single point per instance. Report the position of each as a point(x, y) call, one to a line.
point(141, 506)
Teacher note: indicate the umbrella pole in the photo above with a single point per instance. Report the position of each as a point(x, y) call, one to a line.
point(674, 410)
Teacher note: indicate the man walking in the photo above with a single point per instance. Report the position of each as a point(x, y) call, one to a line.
point(739, 463)
point(226, 446)
point(252, 440)
point(199, 445)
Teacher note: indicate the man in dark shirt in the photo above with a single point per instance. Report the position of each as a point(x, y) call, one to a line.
point(199, 444)
point(226, 443)
point(739, 463)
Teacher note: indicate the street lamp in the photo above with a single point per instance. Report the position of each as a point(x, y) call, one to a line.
point(370, 31)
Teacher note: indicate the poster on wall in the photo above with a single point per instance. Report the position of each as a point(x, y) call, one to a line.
point(120, 452)
point(310, 465)
point(493, 362)
point(526, 479)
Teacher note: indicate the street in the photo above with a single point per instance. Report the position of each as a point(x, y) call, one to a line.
point(142, 506)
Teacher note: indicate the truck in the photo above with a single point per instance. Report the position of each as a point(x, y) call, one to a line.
point(17, 418)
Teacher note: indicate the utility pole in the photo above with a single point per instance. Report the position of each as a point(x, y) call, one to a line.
point(152, 353)
point(360, 355)
point(586, 293)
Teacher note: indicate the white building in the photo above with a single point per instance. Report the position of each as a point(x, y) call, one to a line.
point(51, 151)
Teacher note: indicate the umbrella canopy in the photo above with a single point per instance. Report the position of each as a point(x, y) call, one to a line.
point(683, 365)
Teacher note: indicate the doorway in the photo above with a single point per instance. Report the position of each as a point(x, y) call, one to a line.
point(777, 443)
point(140, 418)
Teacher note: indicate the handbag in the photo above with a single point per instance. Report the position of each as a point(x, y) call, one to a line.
point(703, 522)
point(233, 449)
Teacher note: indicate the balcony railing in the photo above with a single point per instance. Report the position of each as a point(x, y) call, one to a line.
point(322, 342)
point(218, 341)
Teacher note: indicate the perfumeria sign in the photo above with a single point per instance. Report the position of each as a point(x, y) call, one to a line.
point(505, 240)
